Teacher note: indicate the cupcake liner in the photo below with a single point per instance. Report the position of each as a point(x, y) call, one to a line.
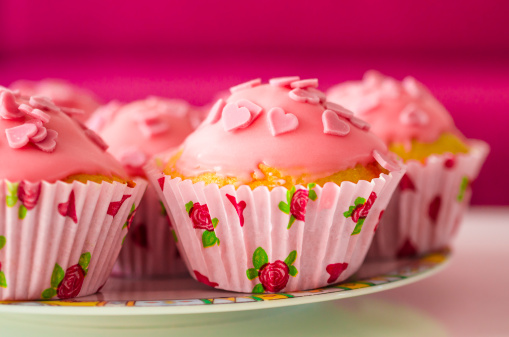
point(60, 240)
point(150, 249)
point(245, 240)
point(427, 208)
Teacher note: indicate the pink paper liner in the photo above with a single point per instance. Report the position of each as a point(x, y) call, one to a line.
point(45, 237)
point(407, 228)
point(157, 254)
point(323, 238)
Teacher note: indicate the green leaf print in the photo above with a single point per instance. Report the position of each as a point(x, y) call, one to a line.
point(284, 207)
point(189, 205)
point(291, 258)
point(57, 276)
point(11, 200)
point(258, 289)
point(215, 222)
point(252, 273)
point(312, 195)
point(358, 226)
point(22, 212)
point(293, 271)
point(209, 239)
point(290, 223)
point(48, 293)
point(84, 261)
point(174, 236)
point(359, 201)
point(463, 188)
point(163, 209)
point(260, 258)
point(2, 241)
point(3, 281)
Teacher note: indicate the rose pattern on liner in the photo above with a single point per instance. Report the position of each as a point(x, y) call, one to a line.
point(204, 279)
point(69, 208)
point(239, 208)
point(67, 285)
point(165, 214)
point(3, 281)
point(465, 183)
point(406, 250)
point(273, 276)
point(129, 220)
point(297, 201)
point(360, 211)
point(26, 192)
point(200, 217)
point(335, 270)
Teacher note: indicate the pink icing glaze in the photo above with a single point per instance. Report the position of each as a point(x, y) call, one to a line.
point(72, 152)
point(63, 93)
point(305, 149)
point(124, 129)
point(397, 111)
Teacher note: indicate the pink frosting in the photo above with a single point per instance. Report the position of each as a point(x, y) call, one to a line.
point(287, 134)
point(138, 130)
point(63, 93)
point(65, 150)
point(397, 111)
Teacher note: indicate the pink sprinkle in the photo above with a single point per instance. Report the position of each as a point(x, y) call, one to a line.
point(96, 139)
point(333, 125)
point(235, 117)
point(254, 109)
point(246, 85)
point(40, 135)
point(215, 112)
point(36, 122)
point(151, 126)
point(133, 158)
point(411, 86)
point(43, 102)
point(386, 162)
point(321, 95)
point(361, 124)
point(309, 83)
point(281, 122)
point(8, 106)
point(35, 113)
point(49, 143)
point(283, 81)
point(114, 206)
point(341, 111)
point(19, 136)
point(304, 96)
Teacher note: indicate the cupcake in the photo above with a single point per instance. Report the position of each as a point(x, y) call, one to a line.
point(426, 210)
point(65, 203)
point(70, 98)
point(277, 190)
point(135, 132)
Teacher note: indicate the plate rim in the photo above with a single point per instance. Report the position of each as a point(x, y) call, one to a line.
point(431, 264)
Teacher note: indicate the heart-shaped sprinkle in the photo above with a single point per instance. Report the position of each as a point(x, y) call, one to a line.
point(49, 143)
point(132, 157)
point(361, 124)
point(235, 117)
point(308, 83)
point(96, 139)
point(321, 95)
point(333, 125)
point(390, 88)
point(412, 87)
point(283, 81)
point(43, 103)
point(246, 85)
point(40, 135)
point(36, 122)
point(72, 111)
point(341, 111)
point(254, 109)
point(412, 115)
point(8, 106)
point(385, 161)
point(35, 113)
point(151, 127)
point(215, 112)
point(304, 96)
point(19, 136)
point(281, 122)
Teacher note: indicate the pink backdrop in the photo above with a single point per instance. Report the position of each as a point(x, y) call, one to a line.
point(191, 49)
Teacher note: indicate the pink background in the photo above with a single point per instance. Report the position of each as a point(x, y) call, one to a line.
point(191, 49)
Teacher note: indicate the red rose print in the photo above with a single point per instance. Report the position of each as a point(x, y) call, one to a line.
point(204, 279)
point(298, 204)
point(434, 208)
point(239, 207)
point(379, 218)
point(361, 211)
point(274, 276)
point(70, 286)
point(356, 214)
point(139, 236)
point(130, 218)
point(449, 162)
point(161, 183)
point(69, 208)
point(335, 271)
point(28, 194)
point(200, 216)
point(407, 249)
point(406, 183)
point(114, 206)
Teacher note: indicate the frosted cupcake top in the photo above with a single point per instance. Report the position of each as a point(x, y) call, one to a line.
point(63, 94)
point(286, 124)
point(39, 141)
point(138, 130)
point(398, 112)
